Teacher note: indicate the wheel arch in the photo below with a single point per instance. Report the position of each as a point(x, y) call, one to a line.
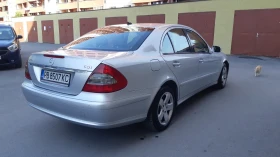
point(227, 64)
point(170, 83)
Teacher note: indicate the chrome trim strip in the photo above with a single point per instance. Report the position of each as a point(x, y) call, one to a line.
point(59, 68)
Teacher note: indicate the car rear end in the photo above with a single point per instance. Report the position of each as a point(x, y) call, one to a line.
point(78, 86)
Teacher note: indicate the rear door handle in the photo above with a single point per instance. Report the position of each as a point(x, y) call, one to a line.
point(201, 60)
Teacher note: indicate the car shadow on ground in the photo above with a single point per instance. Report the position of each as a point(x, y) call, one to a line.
point(189, 105)
point(8, 68)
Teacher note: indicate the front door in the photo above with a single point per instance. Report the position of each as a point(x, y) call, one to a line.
point(176, 51)
point(207, 62)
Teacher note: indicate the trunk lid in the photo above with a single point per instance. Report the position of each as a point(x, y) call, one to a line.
point(66, 71)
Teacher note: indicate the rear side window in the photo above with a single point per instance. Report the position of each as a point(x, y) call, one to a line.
point(112, 38)
point(179, 41)
point(166, 45)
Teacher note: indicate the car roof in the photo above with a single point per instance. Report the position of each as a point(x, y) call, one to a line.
point(155, 26)
point(151, 25)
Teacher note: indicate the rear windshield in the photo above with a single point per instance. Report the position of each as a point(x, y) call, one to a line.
point(6, 33)
point(112, 38)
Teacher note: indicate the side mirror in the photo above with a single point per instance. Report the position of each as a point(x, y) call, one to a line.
point(217, 49)
point(19, 37)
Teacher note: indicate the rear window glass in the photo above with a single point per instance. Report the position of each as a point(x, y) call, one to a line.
point(112, 38)
point(6, 33)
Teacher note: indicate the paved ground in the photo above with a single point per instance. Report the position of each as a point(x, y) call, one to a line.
point(242, 120)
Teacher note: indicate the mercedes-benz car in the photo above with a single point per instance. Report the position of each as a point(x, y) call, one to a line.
point(124, 74)
point(9, 47)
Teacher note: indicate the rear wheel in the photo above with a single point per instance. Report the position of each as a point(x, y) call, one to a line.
point(162, 109)
point(222, 78)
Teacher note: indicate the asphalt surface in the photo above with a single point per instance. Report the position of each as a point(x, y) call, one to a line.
point(242, 120)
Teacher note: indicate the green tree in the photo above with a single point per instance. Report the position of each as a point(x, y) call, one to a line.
point(18, 14)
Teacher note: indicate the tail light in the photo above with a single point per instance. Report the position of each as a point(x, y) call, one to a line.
point(105, 79)
point(27, 74)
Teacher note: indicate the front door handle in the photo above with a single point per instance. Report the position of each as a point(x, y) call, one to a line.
point(176, 64)
point(201, 60)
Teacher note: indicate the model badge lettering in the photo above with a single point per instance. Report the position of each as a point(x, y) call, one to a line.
point(87, 67)
point(51, 61)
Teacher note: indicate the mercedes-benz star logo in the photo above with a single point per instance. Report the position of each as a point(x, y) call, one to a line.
point(51, 61)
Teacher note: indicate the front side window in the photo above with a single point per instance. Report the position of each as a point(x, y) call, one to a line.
point(198, 43)
point(179, 41)
point(112, 38)
point(6, 33)
point(166, 45)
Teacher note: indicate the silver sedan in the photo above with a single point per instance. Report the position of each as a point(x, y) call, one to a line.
point(123, 74)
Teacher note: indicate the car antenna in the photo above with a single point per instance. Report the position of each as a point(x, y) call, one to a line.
point(129, 23)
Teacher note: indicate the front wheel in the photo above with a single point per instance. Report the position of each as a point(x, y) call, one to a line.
point(222, 78)
point(162, 109)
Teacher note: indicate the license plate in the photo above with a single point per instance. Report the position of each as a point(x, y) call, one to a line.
point(57, 77)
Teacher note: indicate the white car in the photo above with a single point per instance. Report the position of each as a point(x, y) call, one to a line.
point(123, 74)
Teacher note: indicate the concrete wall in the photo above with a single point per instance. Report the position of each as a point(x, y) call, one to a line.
point(223, 25)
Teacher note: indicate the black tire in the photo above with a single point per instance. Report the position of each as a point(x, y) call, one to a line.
point(19, 63)
point(221, 81)
point(152, 121)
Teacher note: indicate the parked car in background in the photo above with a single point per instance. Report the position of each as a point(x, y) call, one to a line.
point(9, 47)
point(123, 74)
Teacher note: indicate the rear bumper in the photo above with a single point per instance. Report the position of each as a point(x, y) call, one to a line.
point(10, 58)
point(101, 115)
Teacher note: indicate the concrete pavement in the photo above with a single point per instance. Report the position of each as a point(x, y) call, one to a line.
point(241, 120)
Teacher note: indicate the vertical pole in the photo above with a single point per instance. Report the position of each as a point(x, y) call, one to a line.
point(78, 5)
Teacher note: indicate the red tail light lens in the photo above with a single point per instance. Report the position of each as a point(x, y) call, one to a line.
point(27, 74)
point(105, 79)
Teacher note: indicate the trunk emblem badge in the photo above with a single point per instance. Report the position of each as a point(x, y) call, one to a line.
point(51, 61)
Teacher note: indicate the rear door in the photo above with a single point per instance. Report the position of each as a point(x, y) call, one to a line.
point(208, 62)
point(177, 53)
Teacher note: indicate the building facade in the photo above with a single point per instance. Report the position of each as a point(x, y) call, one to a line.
point(248, 29)
point(7, 10)
point(16, 8)
point(151, 2)
point(117, 4)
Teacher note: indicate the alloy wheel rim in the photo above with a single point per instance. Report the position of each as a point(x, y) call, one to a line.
point(224, 76)
point(165, 108)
